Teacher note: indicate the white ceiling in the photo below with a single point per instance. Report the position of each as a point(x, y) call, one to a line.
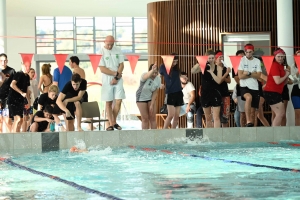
point(120, 8)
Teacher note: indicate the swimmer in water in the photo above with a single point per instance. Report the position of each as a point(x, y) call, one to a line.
point(74, 149)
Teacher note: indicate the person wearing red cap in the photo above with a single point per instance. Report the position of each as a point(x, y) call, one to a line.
point(277, 78)
point(249, 71)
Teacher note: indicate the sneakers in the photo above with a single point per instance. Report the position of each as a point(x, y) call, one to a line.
point(250, 125)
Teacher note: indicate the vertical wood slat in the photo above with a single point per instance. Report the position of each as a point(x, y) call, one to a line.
point(190, 27)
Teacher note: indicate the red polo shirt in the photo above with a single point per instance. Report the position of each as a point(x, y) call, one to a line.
point(276, 70)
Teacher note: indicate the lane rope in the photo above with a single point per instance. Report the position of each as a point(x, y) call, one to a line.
point(219, 159)
point(72, 184)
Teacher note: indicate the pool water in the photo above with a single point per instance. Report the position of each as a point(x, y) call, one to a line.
point(149, 173)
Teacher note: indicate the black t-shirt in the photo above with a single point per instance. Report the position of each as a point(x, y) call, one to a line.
point(69, 91)
point(42, 125)
point(44, 100)
point(224, 86)
point(23, 81)
point(238, 88)
point(4, 89)
point(207, 81)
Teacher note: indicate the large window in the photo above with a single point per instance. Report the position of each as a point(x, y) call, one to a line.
point(86, 34)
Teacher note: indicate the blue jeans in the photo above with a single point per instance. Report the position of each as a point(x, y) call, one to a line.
point(237, 117)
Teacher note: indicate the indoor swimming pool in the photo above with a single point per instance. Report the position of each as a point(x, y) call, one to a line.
point(183, 170)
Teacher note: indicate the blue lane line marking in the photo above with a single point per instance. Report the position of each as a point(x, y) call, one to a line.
point(72, 184)
point(245, 163)
point(220, 159)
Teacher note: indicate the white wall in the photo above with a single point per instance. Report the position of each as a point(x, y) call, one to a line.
point(20, 26)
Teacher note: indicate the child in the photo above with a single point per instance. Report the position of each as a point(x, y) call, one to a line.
point(41, 120)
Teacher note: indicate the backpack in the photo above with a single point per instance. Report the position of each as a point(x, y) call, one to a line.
point(36, 103)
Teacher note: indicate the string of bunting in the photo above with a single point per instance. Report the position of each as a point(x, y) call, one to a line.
point(167, 60)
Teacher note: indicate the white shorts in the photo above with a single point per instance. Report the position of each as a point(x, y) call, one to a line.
point(241, 104)
point(112, 92)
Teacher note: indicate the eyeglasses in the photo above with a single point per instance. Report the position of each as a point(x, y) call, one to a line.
point(150, 83)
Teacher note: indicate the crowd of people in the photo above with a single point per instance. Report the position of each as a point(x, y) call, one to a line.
point(53, 96)
point(28, 105)
point(253, 87)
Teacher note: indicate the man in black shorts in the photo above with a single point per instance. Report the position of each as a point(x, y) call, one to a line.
point(17, 94)
point(41, 120)
point(249, 71)
point(6, 74)
point(72, 92)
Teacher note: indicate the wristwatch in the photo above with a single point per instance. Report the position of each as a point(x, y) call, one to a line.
point(249, 74)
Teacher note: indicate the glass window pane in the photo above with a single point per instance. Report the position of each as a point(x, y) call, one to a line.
point(124, 34)
point(65, 51)
point(140, 25)
point(64, 45)
point(126, 49)
point(64, 20)
point(123, 19)
point(63, 27)
point(44, 38)
point(85, 40)
point(103, 23)
point(141, 51)
point(45, 44)
point(84, 21)
point(103, 34)
point(64, 34)
point(89, 49)
point(45, 50)
point(84, 30)
point(44, 26)
point(141, 46)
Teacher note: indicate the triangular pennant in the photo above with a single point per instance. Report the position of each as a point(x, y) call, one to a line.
point(168, 61)
point(297, 61)
point(26, 58)
point(268, 60)
point(60, 60)
point(235, 62)
point(95, 60)
point(202, 60)
point(133, 59)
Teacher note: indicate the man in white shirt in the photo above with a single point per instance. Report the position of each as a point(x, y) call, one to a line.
point(111, 66)
point(189, 96)
point(249, 71)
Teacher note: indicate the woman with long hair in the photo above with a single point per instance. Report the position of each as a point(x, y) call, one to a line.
point(174, 92)
point(211, 98)
point(45, 79)
point(277, 78)
point(146, 97)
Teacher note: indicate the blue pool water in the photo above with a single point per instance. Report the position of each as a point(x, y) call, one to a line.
point(139, 173)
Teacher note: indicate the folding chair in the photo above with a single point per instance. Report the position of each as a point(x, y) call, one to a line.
point(90, 110)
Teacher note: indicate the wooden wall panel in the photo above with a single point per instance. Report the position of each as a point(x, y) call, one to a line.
point(190, 27)
point(296, 12)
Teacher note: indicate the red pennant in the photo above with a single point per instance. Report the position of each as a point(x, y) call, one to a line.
point(133, 59)
point(235, 62)
point(268, 60)
point(60, 60)
point(95, 60)
point(202, 60)
point(297, 60)
point(168, 61)
point(26, 58)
